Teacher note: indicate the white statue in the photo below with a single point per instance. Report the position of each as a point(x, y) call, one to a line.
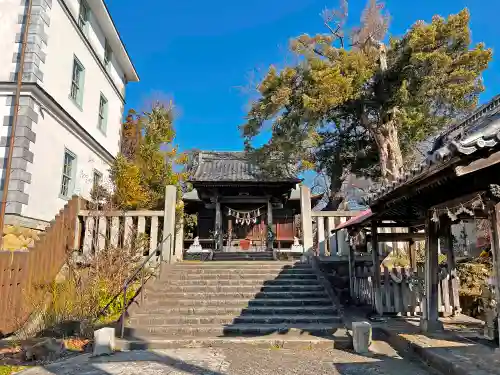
point(195, 246)
point(297, 247)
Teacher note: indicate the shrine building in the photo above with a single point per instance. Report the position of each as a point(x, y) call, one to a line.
point(239, 207)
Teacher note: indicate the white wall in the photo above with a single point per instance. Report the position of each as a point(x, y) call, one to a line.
point(96, 38)
point(65, 43)
point(9, 12)
point(51, 140)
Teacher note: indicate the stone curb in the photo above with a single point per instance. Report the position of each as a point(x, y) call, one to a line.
point(445, 364)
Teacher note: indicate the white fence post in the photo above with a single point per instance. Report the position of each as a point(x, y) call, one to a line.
point(169, 223)
point(306, 222)
point(179, 240)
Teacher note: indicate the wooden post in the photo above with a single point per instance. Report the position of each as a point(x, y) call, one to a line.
point(412, 248)
point(179, 240)
point(218, 225)
point(269, 224)
point(169, 224)
point(352, 274)
point(430, 320)
point(453, 281)
point(321, 235)
point(376, 271)
point(306, 219)
point(494, 216)
point(330, 225)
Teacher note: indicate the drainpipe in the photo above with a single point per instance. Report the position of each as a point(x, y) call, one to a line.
point(8, 166)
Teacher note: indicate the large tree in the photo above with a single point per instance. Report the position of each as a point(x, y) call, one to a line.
point(353, 104)
point(148, 160)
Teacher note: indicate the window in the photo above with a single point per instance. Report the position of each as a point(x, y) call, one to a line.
point(103, 114)
point(68, 174)
point(83, 15)
point(97, 179)
point(77, 80)
point(108, 53)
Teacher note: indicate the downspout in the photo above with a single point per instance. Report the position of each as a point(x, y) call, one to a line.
point(15, 116)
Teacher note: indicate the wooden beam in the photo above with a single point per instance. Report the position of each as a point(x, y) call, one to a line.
point(335, 213)
point(479, 164)
point(398, 237)
point(120, 213)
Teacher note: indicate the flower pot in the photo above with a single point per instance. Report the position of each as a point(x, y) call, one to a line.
point(245, 245)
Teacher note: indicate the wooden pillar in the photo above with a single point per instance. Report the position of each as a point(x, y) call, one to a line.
point(321, 235)
point(377, 287)
point(269, 240)
point(168, 225)
point(412, 248)
point(306, 218)
point(352, 273)
point(453, 281)
point(494, 216)
point(430, 319)
point(218, 225)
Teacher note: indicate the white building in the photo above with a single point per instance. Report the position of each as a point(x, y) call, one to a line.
point(71, 106)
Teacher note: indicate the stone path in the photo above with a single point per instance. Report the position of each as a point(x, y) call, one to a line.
point(239, 361)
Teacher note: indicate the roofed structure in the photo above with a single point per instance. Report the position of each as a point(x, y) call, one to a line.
point(222, 166)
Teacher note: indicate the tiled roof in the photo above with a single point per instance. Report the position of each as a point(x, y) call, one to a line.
point(479, 131)
point(214, 166)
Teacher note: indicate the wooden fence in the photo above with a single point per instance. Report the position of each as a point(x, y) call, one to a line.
point(398, 295)
point(100, 229)
point(325, 242)
point(21, 270)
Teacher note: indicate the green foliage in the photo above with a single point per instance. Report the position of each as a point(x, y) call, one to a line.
point(364, 108)
point(115, 309)
point(148, 160)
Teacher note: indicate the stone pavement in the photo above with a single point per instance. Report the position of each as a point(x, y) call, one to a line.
point(456, 351)
point(239, 361)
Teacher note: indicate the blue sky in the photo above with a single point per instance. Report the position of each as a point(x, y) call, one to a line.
point(203, 54)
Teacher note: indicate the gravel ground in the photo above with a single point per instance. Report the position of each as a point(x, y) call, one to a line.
point(239, 361)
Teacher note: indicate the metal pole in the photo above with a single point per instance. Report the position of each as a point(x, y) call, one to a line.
point(8, 167)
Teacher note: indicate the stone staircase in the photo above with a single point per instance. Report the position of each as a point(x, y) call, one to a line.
point(212, 303)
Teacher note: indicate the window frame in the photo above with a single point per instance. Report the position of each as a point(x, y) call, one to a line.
point(66, 190)
point(83, 15)
point(98, 181)
point(108, 53)
point(102, 114)
point(77, 82)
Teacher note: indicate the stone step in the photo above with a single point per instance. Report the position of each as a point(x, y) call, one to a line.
point(271, 265)
point(340, 339)
point(257, 277)
point(164, 291)
point(242, 309)
point(240, 295)
point(231, 330)
point(159, 305)
point(149, 320)
point(174, 273)
point(241, 282)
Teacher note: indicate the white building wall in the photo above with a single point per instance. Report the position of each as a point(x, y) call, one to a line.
point(52, 138)
point(9, 27)
point(65, 43)
point(43, 133)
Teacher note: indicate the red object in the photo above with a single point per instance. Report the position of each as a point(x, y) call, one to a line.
point(245, 244)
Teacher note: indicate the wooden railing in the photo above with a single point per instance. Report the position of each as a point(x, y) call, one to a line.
point(100, 229)
point(21, 270)
point(325, 242)
point(399, 290)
